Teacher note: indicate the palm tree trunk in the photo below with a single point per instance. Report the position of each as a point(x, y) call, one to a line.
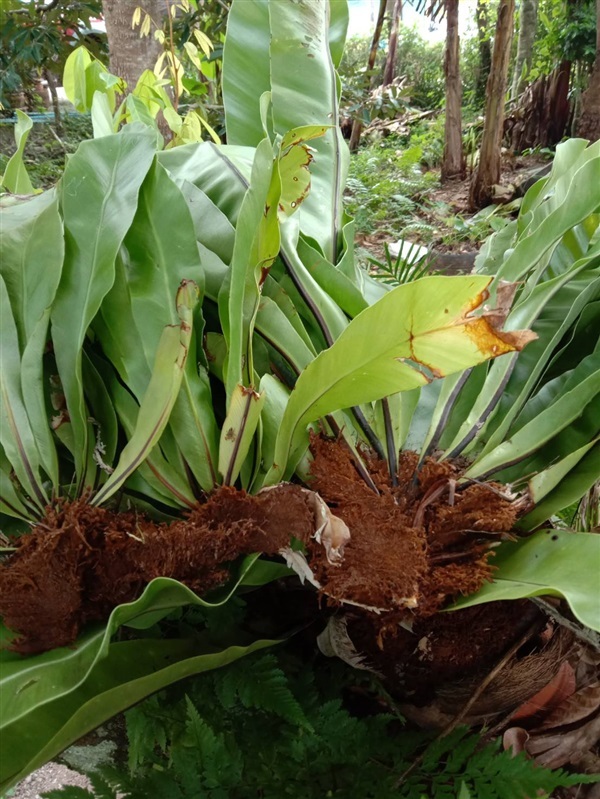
point(527, 29)
point(453, 165)
point(357, 124)
point(588, 126)
point(51, 80)
point(129, 53)
point(485, 49)
point(390, 62)
point(488, 170)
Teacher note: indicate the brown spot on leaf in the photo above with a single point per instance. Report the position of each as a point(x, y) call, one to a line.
point(492, 342)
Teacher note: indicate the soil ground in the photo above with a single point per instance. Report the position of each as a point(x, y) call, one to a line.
point(454, 252)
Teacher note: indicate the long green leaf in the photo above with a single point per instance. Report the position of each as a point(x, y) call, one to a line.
point(246, 42)
point(338, 28)
point(11, 503)
point(160, 397)
point(524, 315)
point(16, 435)
point(539, 430)
point(156, 265)
point(575, 198)
point(165, 481)
point(288, 45)
point(15, 178)
point(418, 330)
point(32, 246)
point(548, 563)
point(562, 484)
point(212, 227)
point(256, 247)
point(556, 316)
point(304, 92)
point(332, 280)
point(222, 173)
point(103, 177)
point(238, 431)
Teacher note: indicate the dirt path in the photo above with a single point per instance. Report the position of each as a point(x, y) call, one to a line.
point(49, 778)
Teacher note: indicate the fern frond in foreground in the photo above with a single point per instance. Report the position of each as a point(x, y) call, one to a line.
point(199, 740)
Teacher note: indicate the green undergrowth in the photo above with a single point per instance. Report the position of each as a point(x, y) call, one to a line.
point(277, 724)
point(390, 191)
point(46, 151)
point(385, 187)
point(392, 186)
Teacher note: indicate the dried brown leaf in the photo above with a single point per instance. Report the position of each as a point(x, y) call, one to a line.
point(566, 746)
point(577, 707)
point(552, 695)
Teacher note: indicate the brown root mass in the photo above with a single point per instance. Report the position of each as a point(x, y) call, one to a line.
point(413, 546)
point(417, 544)
point(83, 561)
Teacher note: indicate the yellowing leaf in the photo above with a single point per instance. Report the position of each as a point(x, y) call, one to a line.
point(416, 332)
point(295, 178)
point(204, 42)
point(145, 29)
point(192, 52)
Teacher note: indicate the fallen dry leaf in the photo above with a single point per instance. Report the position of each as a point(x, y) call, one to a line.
point(558, 742)
point(552, 695)
point(556, 750)
point(577, 707)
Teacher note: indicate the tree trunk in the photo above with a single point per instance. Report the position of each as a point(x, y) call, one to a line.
point(130, 54)
point(389, 71)
point(51, 80)
point(357, 124)
point(541, 116)
point(485, 49)
point(453, 165)
point(488, 170)
point(588, 126)
point(527, 30)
